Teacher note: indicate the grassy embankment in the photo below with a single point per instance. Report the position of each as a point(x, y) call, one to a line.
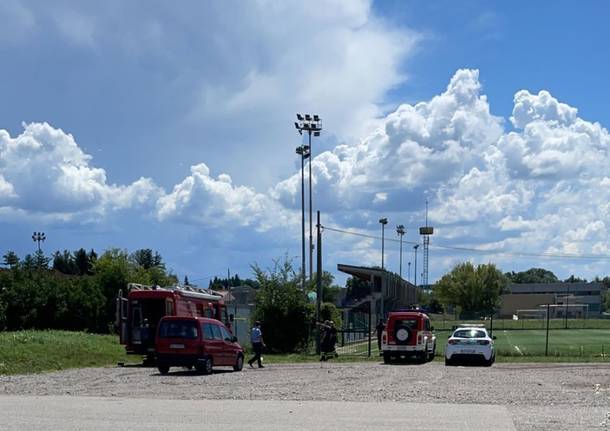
point(35, 351)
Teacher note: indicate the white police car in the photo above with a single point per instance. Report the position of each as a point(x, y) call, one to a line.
point(470, 343)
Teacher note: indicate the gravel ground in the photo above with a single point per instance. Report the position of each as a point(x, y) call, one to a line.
point(539, 396)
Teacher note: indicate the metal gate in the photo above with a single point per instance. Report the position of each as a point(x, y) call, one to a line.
point(354, 342)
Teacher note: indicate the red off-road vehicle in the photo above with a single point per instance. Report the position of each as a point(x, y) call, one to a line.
point(408, 334)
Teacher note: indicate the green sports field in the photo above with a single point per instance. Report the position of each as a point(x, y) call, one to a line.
point(566, 343)
point(562, 342)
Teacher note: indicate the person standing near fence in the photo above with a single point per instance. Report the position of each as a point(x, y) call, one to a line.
point(328, 340)
point(256, 338)
point(380, 327)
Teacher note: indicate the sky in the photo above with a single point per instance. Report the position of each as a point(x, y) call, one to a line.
point(145, 124)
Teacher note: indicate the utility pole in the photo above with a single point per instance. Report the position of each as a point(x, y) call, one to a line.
point(415, 247)
point(383, 222)
point(312, 124)
point(319, 292)
point(409, 272)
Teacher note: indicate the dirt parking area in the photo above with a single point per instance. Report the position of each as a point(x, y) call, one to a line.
point(539, 396)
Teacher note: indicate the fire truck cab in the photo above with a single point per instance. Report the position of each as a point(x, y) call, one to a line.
point(140, 308)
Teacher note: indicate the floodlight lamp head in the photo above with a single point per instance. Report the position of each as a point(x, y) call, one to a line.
point(316, 133)
point(308, 117)
point(299, 117)
point(316, 118)
point(383, 221)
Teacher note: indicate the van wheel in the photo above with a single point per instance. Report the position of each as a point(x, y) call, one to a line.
point(387, 359)
point(239, 364)
point(432, 354)
point(163, 369)
point(205, 366)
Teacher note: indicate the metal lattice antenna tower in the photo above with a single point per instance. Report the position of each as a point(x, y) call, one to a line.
point(426, 231)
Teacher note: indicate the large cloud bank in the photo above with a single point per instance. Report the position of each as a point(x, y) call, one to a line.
point(542, 186)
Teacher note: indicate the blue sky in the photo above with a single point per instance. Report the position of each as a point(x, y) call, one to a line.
point(140, 124)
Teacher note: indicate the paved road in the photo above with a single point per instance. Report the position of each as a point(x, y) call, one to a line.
point(26, 413)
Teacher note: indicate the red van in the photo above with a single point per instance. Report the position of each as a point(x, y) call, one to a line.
point(198, 342)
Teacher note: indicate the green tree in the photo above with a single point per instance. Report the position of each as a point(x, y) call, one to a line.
point(282, 307)
point(64, 263)
point(532, 275)
point(40, 260)
point(82, 262)
point(146, 259)
point(573, 279)
point(357, 288)
point(10, 259)
point(330, 292)
point(475, 290)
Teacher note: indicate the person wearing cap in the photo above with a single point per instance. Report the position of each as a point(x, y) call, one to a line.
point(256, 338)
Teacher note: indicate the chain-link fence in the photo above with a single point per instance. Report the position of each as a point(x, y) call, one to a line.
point(571, 337)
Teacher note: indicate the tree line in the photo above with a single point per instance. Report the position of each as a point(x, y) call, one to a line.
point(475, 290)
point(72, 290)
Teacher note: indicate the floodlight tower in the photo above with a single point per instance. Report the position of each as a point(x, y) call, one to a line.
point(400, 230)
point(425, 232)
point(312, 125)
point(39, 237)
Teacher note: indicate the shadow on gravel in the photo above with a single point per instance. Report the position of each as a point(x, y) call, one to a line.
point(405, 362)
point(190, 373)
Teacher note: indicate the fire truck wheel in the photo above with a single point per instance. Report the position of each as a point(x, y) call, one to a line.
point(239, 363)
point(163, 369)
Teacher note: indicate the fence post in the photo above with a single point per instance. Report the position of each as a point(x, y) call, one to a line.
point(491, 325)
point(546, 350)
point(369, 329)
point(318, 278)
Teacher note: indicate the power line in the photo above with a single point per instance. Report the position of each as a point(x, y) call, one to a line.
point(480, 251)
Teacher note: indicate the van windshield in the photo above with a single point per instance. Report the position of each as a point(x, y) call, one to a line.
point(178, 329)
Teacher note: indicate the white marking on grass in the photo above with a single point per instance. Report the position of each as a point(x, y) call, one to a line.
point(516, 347)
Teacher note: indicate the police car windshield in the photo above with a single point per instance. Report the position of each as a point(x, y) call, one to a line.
point(469, 333)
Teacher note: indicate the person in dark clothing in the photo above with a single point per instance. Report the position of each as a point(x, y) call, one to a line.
point(380, 328)
point(256, 338)
point(328, 340)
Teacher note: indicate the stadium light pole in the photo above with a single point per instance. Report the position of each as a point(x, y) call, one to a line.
point(383, 222)
point(415, 247)
point(303, 151)
point(400, 230)
point(312, 125)
point(39, 237)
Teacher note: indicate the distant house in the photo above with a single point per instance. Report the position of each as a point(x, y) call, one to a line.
point(578, 300)
point(387, 292)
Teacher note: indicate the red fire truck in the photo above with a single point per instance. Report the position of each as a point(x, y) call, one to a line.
point(140, 307)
